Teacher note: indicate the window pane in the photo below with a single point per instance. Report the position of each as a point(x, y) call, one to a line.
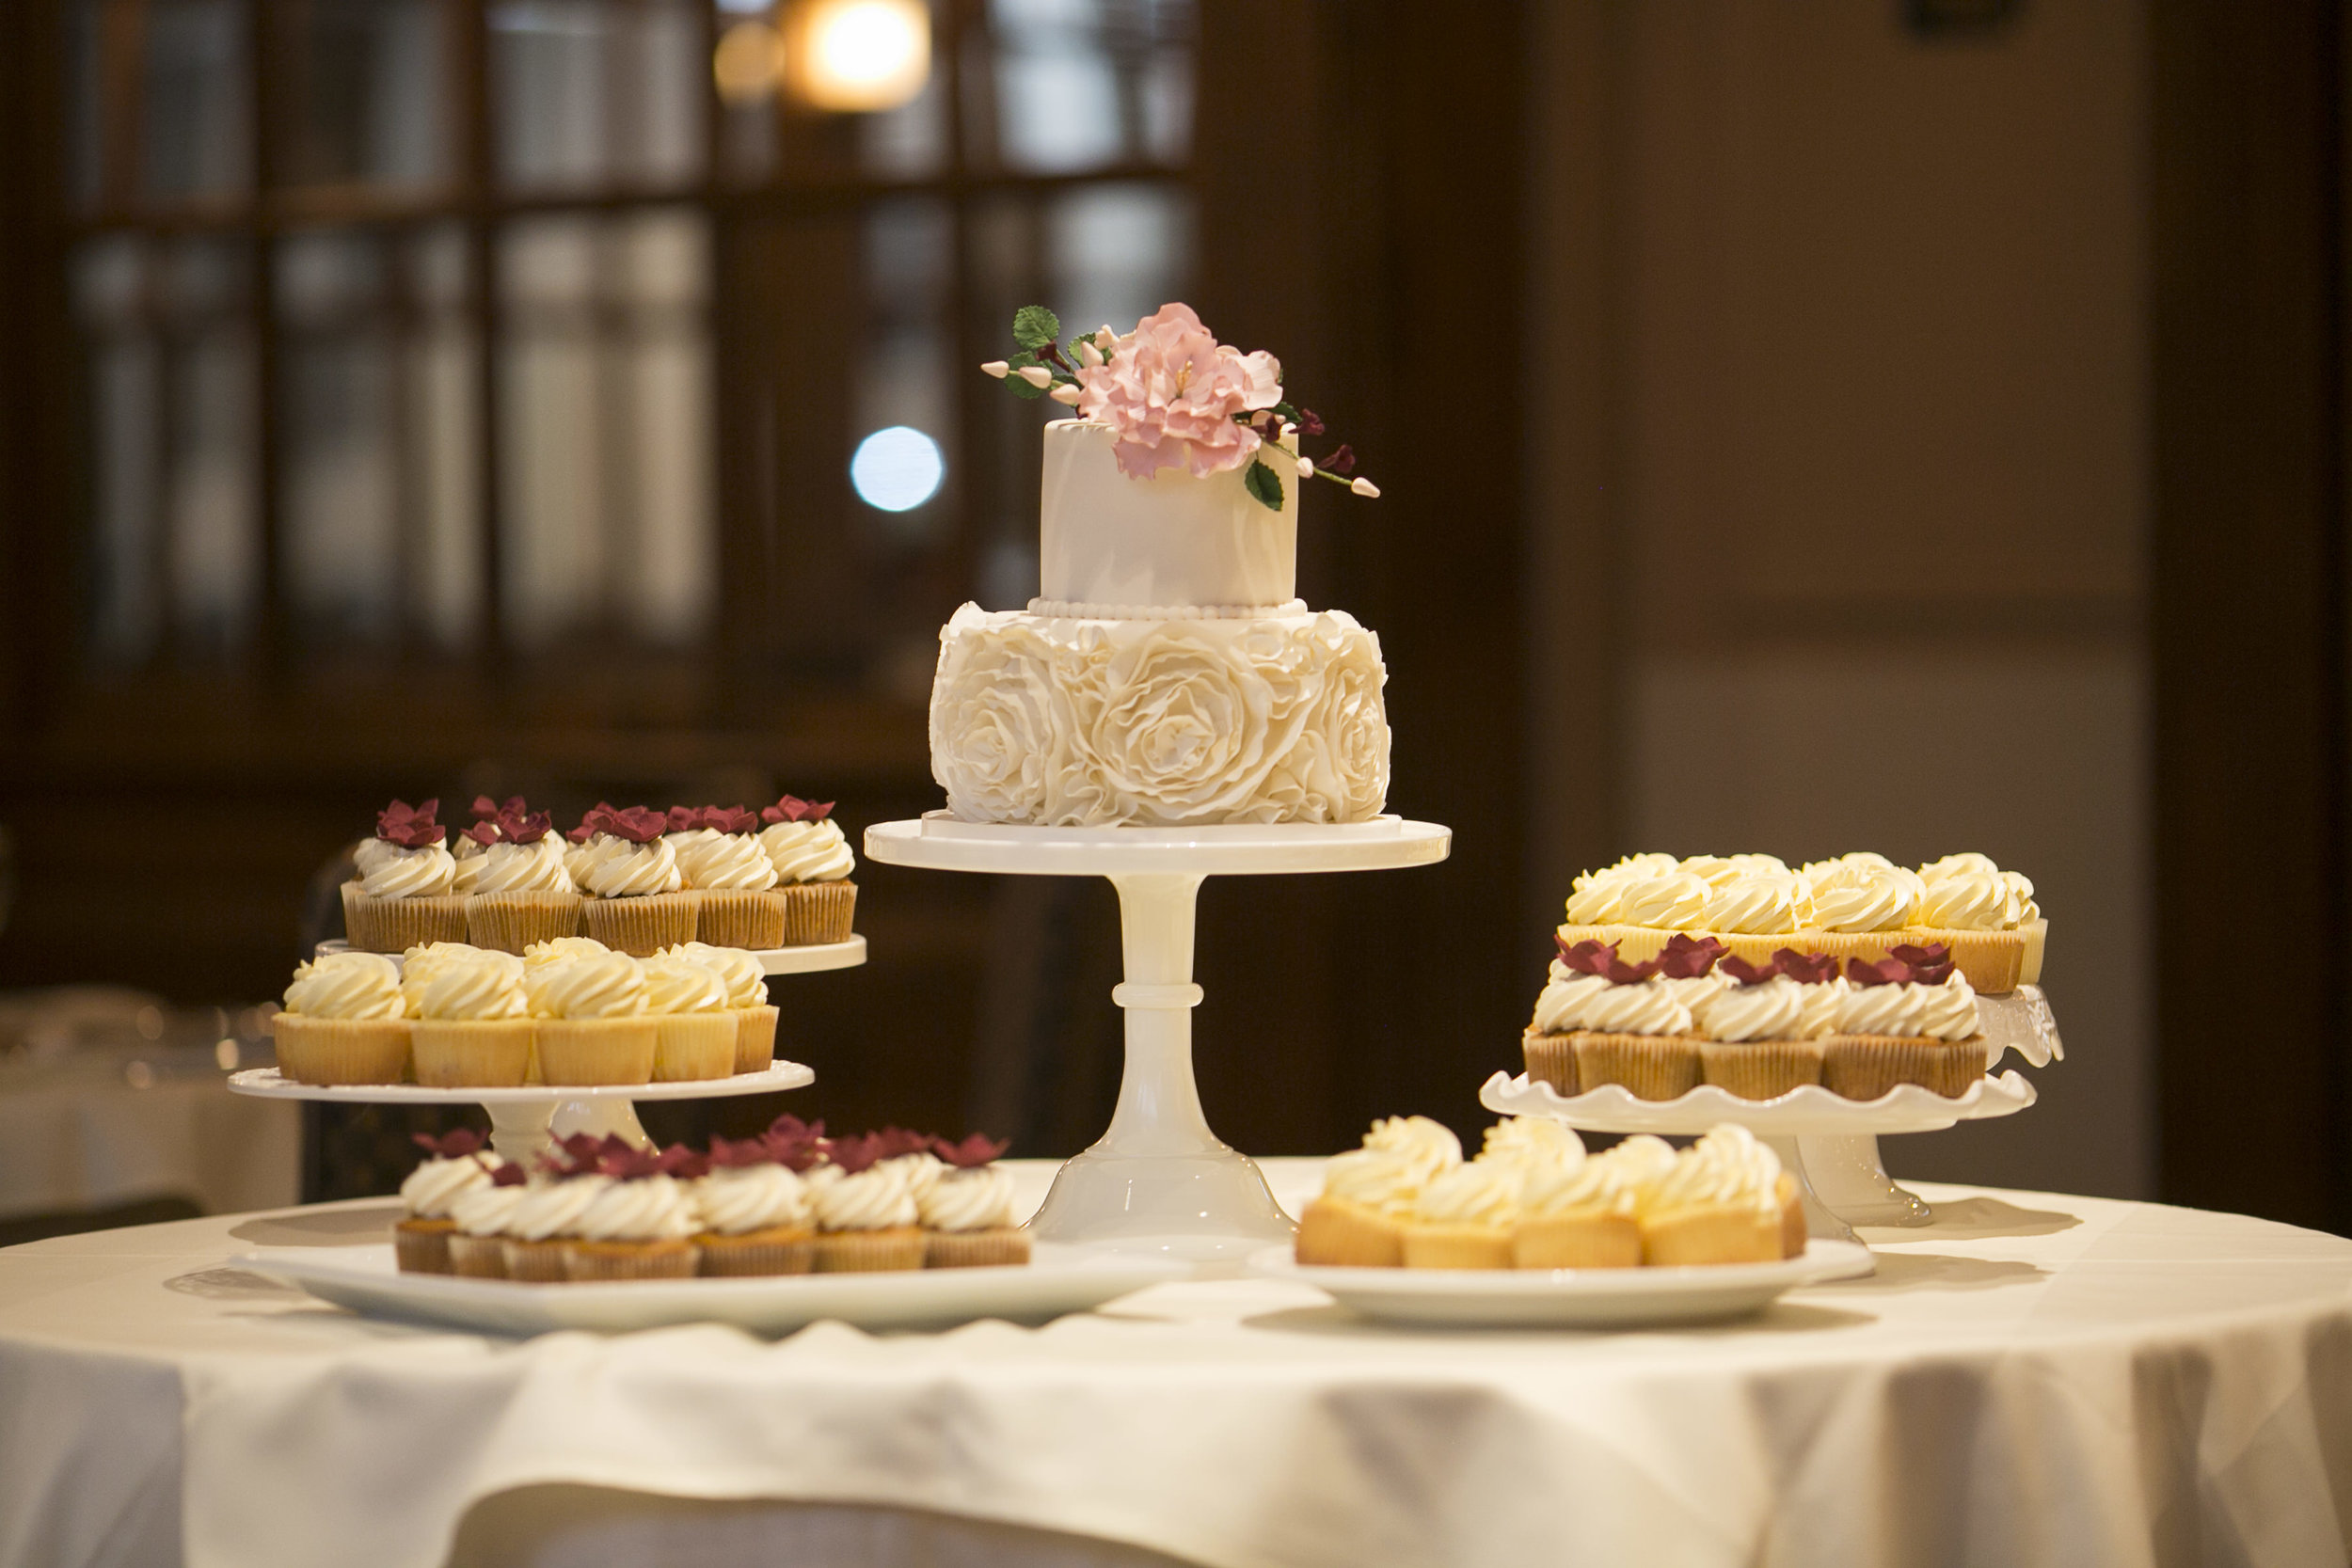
point(605, 375)
point(1079, 84)
point(365, 92)
point(196, 139)
point(599, 90)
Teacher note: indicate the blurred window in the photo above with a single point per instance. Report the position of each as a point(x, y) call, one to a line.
point(549, 329)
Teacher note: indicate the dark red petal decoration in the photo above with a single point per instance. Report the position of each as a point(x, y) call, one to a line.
point(685, 820)
point(1807, 969)
point(453, 1145)
point(1887, 972)
point(975, 1150)
point(1587, 957)
point(509, 1175)
point(1619, 973)
point(791, 808)
point(896, 1141)
point(484, 806)
point(856, 1154)
point(1746, 974)
point(520, 827)
point(484, 833)
point(1687, 959)
point(410, 826)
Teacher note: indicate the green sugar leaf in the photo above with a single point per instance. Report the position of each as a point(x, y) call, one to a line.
point(1264, 486)
point(1034, 326)
point(1020, 388)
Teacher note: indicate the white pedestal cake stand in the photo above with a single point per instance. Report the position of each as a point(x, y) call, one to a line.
point(524, 1121)
point(1159, 1181)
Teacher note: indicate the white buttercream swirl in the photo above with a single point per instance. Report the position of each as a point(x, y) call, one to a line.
point(734, 1199)
point(980, 1198)
point(510, 867)
point(1573, 1001)
point(1533, 1141)
point(473, 988)
point(597, 985)
point(1730, 1166)
point(1400, 1156)
point(1484, 1192)
point(710, 859)
point(1675, 900)
point(1610, 1185)
point(1757, 902)
point(432, 1190)
point(875, 1199)
point(556, 950)
point(746, 982)
point(1852, 895)
point(1948, 1011)
point(553, 1208)
point(396, 872)
point(610, 867)
point(485, 1210)
point(1092, 723)
point(347, 986)
point(1771, 1011)
point(682, 986)
point(1882, 1010)
point(807, 851)
point(644, 1209)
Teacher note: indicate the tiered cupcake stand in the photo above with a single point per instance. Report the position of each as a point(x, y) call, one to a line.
point(1830, 1144)
point(523, 1121)
point(1159, 1181)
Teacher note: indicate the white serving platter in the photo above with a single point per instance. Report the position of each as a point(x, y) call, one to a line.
point(772, 960)
point(1568, 1298)
point(266, 1083)
point(1059, 1280)
point(1810, 1111)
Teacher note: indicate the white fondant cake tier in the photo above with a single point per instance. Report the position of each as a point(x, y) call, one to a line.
point(1171, 541)
point(1060, 721)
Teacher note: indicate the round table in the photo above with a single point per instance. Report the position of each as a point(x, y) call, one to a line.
point(2032, 1379)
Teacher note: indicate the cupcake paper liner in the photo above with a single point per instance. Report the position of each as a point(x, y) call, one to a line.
point(755, 1038)
point(779, 1249)
point(477, 1256)
point(1550, 1059)
point(1709, 1233)
point(1349, 1235)
point(342, 1050)
point(592, 1262)
point(1589, 1238)
point(1456, 1246)
point(595, 1050)
point(422, 1246)
point(1864, 1067)
point(1650, 1066)
point(869, 1251)
point(476, 1054)
point(2037, 941)
point(374, 924)
point(1759, 1070)
point(975, 1249)
point(818, 913)
point(538, 1263)
point(739, 917)
point(640, 927)
point(510, 922)
point(689, 1046)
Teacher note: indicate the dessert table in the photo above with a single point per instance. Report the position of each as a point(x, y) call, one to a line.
point(2031, 1379)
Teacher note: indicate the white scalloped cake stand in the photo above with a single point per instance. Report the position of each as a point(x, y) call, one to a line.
point(1159, 1181)
point(1827, 1142)
point(524, 1121)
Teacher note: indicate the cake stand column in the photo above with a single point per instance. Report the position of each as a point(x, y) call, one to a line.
point(1159, 1181)
point(522, 1130)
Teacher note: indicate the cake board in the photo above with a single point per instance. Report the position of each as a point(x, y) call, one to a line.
point(1159, 1181)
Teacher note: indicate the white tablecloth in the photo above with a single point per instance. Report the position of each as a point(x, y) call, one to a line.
point(78, 1137)
point(2033, 1380)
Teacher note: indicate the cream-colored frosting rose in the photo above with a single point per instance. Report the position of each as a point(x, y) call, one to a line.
point(1608, 1185)
point(1882, 1010)
point(875, 1199)
point(560, 949)
point(1824, 1004)
point(395, 872)
point(614, 867)
point(1572, 1000)
point(597, 985)
point(1730, 1168)
point(1967, 859)
point(1693, 989)
point(485, 1210)
point(710, 859)
point(746, 982)
point(1400, 1156)
point(980, 1198)
point(432, 1190)
point(682, 986)
point(1534, 1142)
point(347, 986)
point(472, 988)
point(1675, 900)
point(510, 867)
point(550, 1209)
point(1771, 1011)
point(1482, 1192)
point(1757, 902)
point(1852, 895)
point(807, 851)
point(1948, 1011)
point(644, 1209)
point(734, 1199)
point(419, 963)
point(1090, 723)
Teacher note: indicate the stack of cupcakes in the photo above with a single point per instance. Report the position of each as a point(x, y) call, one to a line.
point(813, 862)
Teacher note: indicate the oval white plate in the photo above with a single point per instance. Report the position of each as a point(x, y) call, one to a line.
point(1568, 1298)
point(1810, 1111)
point(266, 1083)
point(1058, 1279)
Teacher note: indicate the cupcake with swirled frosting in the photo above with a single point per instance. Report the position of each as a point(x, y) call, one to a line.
point(405, 892)
point(967, 1209)
point(728, 871)
point(1986, 916)
point(694, 1031)
point(1726, 1200)
point(1369, 1193)
point(813, 863)
point(1587, 1215)
point(518, 892)
point(642, 1223)
point(454, 1165)
point(636, 901)
point(473, 1027)
point(1600, 1020)
point(866, 1212)
point(1909, 1018)
point(747, 1000)
point(754, 1209)
point(1464, 1219)
point(477, 1243)
point(592, 1022)
point(344, 1021)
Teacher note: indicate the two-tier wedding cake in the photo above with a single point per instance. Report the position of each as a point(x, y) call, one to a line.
point(1167, 674)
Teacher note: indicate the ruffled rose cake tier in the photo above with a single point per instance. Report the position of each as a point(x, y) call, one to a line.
point(1062, 721)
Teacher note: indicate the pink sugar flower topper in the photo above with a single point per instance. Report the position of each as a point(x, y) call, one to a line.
point(410, 826)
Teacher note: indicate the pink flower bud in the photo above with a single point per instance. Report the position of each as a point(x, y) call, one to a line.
point(1305, 467)
point(996, 368)
point(1088, 353)
point(1037, 375)
point(1366, 487)
point(1067, 394)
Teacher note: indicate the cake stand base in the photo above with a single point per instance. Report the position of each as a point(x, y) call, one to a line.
point(1159, 1181)
point(1846, 1173)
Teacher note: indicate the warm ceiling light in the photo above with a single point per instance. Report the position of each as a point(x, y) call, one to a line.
point(747, 62)
point(857, 56)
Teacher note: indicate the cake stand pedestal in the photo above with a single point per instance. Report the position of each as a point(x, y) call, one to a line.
point(526, 1121)
point(1159, 1181)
